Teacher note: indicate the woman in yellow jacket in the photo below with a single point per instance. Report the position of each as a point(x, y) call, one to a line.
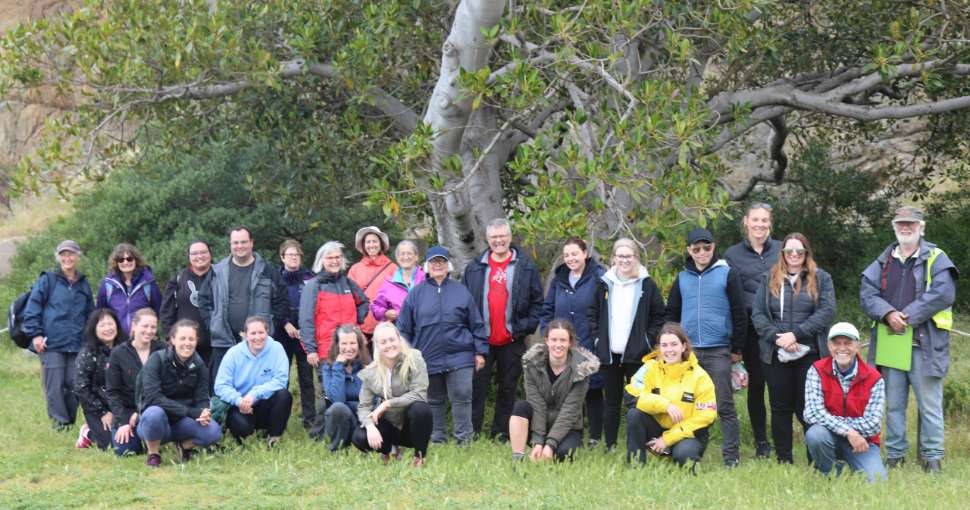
point(675, 405)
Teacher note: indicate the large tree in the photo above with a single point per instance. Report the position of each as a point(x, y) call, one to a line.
point(598, 118)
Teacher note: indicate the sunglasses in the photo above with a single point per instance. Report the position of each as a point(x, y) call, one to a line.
point(704, 247)
point(125, 259)
point(794, 251)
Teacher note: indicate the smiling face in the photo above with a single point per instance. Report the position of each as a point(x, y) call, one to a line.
point(333, 261)
point(347, 344)
point(574, 257)
point(908, 233)
point(145, 329)
point(844, 350)
point(388, 344)
point(438, 268)
point(68, 260)
point(126, 263)
point(499, 240)
point(256, 337)
point(701, 253)
point(107, 330)
point(199, 257)
point(241, 245)
point(184, 341)
point(671, 348)
point(558, 343)
point(794, 252)
point(406, 257)
point(292, 259)
point(372, 245)
point(624, 258)
point(757, 224)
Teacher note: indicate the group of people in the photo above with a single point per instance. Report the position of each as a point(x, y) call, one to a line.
point(392, 341)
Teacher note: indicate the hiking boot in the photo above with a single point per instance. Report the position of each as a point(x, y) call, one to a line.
point(83, 441)
point(154, 460)
point(932, 466)
point(895, 462)
point(762, 450)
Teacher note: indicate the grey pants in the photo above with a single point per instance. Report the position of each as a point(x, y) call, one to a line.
point(340, 421)
point(716, 361)
point(457, 384)
point(57, 374)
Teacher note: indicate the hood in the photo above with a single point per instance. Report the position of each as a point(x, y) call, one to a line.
point(298, 276)
point(142, 275)
point(397, 276)
point(611, 277)
point(677, 369)
point(582, 362)
point(924, 251)
point(328, 277)
point(592, 267)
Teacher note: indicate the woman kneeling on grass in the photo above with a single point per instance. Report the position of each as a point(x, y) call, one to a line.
point(253, 379)
point(341, 382)
point(556, 379)
point(173, 390)
point(398, 382)
point(100, 336)
point(676, 404)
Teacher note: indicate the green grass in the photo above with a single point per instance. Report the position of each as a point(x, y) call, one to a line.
point(40, 468)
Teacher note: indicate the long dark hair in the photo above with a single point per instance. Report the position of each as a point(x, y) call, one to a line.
point(780, 271)
point(91, 340)
point(674, 328)
point(363, 355)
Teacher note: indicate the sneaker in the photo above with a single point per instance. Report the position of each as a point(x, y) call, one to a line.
point(762, 450)
point(271, 442)
point(83, 441)
point(732, 463)
point(154, 460)
point(592, 443)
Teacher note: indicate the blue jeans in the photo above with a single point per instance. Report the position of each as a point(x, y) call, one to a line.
point(457, 384)
point(929, 401)
point(153, 425)
point(131, 447)
point(826, 448)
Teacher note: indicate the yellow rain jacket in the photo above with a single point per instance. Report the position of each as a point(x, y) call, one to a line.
point(683, 384)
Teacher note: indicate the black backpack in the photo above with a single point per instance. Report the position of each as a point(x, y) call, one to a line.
point(15, 318)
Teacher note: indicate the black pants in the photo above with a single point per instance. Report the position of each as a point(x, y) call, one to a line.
point(594, 412)
point(415, 434)
point(642, 427)
point(507, 359)
point(270, 415)
point(786, 390)
point(615, 377)
point(305, 376)
point(566, 447)
point(215, 360)
point(101, 437)
point(757, 412)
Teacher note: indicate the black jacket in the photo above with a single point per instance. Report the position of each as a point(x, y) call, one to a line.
point(89, 384)
point(526, 295)
point(751, 266)
point(180, 301)
point(807, 319)
point(123, 368)
point(180, 389)
point(647, 323)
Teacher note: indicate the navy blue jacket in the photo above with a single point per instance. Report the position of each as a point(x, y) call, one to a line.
point(59, 311)
point(443, 323)
point(524, 307)
point(563, 301)
point(339, 386)
point(710, 305)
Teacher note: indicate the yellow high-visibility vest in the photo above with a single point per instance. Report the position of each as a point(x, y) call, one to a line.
point(944, 318)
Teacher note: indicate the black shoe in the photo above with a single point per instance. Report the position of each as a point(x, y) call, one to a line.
point(732, 463)
point(762, 450)
point(592, 443)
point(60, 427)
point(932, 466)
point(185, 454)
point(895, 462)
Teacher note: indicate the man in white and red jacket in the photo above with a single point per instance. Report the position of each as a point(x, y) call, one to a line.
point(844, 403)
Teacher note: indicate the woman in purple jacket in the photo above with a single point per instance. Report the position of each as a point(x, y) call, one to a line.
point(129, 286)
point(387, 304)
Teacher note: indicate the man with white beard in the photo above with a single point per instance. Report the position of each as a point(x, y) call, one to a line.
point(908, 290)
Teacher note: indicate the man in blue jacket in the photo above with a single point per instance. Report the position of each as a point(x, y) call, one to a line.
point(506, 287)
point(910, 288)
point(707, 299)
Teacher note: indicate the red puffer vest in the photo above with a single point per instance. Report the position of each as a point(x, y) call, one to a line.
point(851, 404)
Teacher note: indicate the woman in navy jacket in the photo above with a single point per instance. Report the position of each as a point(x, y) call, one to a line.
point(571, 295)
point(348, 355)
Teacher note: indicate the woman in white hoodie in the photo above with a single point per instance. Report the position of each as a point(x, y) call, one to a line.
point(627, 314)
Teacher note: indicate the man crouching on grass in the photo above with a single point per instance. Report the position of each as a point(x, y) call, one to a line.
point(844, 403)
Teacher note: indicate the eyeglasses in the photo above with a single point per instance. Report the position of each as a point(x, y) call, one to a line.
point(623, 257)
point(794, 251)
point(124, 259)
point(704, 247)
point(292, 255)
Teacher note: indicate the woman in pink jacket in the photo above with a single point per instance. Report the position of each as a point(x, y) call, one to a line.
point(371, 271)
point(387, 305)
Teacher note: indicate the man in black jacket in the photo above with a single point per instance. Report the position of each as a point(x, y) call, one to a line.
point(506, 286)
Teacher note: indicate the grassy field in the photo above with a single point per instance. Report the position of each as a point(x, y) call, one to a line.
point(40, 468)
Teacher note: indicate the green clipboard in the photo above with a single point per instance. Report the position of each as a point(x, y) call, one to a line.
point(892, 350)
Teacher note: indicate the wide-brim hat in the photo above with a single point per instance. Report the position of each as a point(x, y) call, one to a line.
point(362, 233)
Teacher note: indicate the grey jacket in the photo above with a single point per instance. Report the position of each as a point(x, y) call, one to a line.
point(935, 342)
point(556, 408)
point(403, 393)
point(807, 319)
point(267, 298)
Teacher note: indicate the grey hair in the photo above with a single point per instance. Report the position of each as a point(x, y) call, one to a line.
point(403, 243)
point(497, 223)
point(328, 247)
point(451, 267)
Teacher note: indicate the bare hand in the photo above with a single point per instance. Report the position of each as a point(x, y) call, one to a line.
point(376, 414)
point(123, 434)
point(479, 362)
point(341, 358)
point(106, 420)
point(205, 418)
point(787, 341)
point(246, 404)
point(313, 359)
point(133, 420)
point(390, 315)
point(292, 331)
point(897, 321)
point(676, 415)
point(657, 445)
point(536, 454)
point(548, 452)
point(859, 443)
point(374, 438)
point(40, 344)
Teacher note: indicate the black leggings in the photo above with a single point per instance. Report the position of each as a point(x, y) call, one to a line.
point(101, 437)
point(270, 415)
point(416, 432)
point(594, 412)
point(757, 412)
point(642, 427)
point(566, 447)
point(786, 389)
point(615, 377)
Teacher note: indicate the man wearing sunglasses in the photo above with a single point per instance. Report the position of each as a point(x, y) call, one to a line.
point(707, 299)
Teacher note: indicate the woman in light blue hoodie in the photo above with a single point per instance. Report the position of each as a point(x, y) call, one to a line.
point(252, 379)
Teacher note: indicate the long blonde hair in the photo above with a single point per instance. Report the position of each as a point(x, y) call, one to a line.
point(780, 272)
point(406, 358)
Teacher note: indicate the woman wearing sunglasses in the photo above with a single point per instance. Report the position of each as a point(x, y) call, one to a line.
point(792, 312)
point(129, 286)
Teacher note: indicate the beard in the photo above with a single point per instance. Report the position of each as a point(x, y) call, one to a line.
point(908, 239)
